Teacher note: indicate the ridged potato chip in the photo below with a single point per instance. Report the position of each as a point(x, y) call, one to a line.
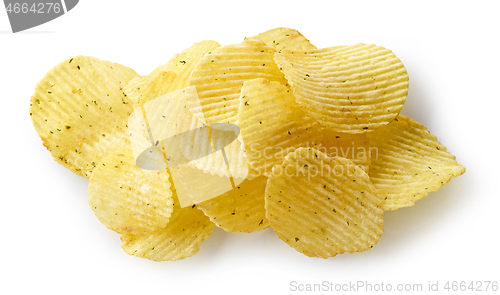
point(169, 77)
point(272, 125)
point(354, 147)
point(175, 119)
point(351, 89)
point(143, 89)
point(80, 111)
point(215, 164)
point(128, 199)
point(240, 209)
point(219, 75)
point(174, 76)
point(182, 237)
point(323, 206)
point(284, 38)
point(183, 63)
point(200, 186)
point(409, 163)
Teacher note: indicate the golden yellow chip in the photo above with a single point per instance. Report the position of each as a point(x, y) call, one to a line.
point(128, 199)
point(408, 163)
point(240, 209)
point(183, 63)
point(351, 89)
point(354, 147)
point(169, 77)
point(323, 206)
point(143, 89)
point(272, 125)
point(174, 120)
point(215, 163)
point(219, 75)
point(181, 238)
point(80, 111)
point(284, 38)
point(174, 76)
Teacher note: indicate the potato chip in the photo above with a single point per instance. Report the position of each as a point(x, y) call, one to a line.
point(351, 89)
point(128, 199)
point(200, 186)
point(143, 89)
point(229, 162)
point(172, 118)
point(169, 77)
point(219, 75)
point(354, 147)
point(408, 163)
point(240, 209)
point(184, 139)
point(80, 111)
point(272, 125)
point(323, 206)
point(174, 76)
point(139, 133)
point(229, 152)
point(181, 238)
point(284, 38)
point(183, 63)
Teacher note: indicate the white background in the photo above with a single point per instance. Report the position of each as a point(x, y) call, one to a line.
point(51, 242)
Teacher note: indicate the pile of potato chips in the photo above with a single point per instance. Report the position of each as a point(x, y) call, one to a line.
point(326, 149)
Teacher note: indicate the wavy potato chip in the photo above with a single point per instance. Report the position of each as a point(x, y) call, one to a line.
point(182, 237)
point(183, 63)
point(240, 209)
point(200, 186)
point(284, 38)
point(234, 152)
point(128, 199)
point(351, 89)
point(169, 77)
point(80, 111)
point(146, 88)
point(215, 163)
point(139, 133)
point(175, 76)
point(323, 206)
point(354, 147)
point(272, 125)
point(214, 148)
point(409, 163)
point(219, 75)
point(175, 120)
